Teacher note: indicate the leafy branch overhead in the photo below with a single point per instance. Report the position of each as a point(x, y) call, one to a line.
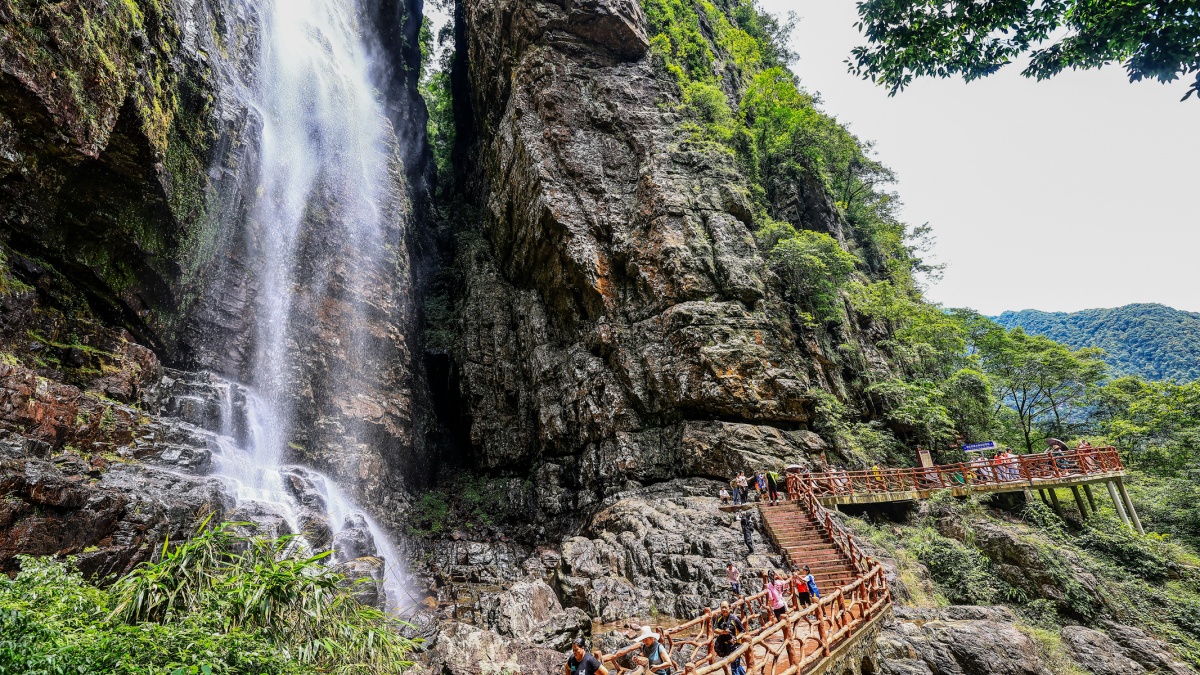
point(1159, 39)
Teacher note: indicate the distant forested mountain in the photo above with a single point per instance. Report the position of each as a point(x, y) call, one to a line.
point(1153, 341)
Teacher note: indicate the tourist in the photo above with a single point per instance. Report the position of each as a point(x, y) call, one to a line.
point(653, 656)
point(877, 473)
point(1086, 456)
point(775, 589)
point(810, 584)
point(773, 487)
point(580, 662)
point(1013, 464)
point(724, 494)
point(737, 493)
point(734, 577)
point(742, 486)
point(748, 531)
point(760, 484)
point(727, 627)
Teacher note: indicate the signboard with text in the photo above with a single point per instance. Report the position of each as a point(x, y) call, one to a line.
point(980, 447)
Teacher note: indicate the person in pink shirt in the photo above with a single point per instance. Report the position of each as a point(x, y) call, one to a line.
point(775, 589)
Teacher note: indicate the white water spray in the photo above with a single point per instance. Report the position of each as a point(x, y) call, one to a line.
point(323, 172)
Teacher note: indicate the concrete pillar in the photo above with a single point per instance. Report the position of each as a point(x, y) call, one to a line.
point(1054, 502)
point(1087, 490)
point(1116, 500)
point(1137, 522)
point(1042, 494)
point(1083, 513)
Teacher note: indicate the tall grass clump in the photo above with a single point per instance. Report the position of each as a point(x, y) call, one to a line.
point(217, 603)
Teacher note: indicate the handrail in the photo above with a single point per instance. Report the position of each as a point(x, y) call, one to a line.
point(828, 622)
point(1055, 465)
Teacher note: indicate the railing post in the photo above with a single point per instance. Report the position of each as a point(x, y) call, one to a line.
point(1137, 522)
point(1087, 490)
point(1116, 500)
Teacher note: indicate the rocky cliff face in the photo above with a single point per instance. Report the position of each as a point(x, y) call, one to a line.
point(616, 323)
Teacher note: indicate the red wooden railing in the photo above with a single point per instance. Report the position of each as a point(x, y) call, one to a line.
point(1014, 470)
point(801, 638)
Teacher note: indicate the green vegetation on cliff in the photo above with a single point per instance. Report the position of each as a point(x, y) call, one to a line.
point(1147, 340)
point(1051, 572)
point(216, 604)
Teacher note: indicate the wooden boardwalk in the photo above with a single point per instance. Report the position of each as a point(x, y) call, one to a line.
point(1043, 472)
point(813, 639)
point(807, 639)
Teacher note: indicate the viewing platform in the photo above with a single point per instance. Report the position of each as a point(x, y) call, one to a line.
point(1044, 472)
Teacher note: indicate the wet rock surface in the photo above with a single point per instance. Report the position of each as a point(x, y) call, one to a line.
point(110, 515)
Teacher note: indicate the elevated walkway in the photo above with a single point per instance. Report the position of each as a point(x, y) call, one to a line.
point(1044, 472)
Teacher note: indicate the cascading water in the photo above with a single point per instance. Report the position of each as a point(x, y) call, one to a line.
point(317, 235)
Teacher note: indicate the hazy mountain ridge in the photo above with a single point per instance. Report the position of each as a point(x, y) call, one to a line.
point(1151, 340)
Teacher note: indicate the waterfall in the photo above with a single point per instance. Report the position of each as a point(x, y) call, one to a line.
point(320, 233)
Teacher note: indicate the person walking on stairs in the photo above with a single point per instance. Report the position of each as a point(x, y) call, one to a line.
point(773, 487)
point(727, 628)
point(747, 521)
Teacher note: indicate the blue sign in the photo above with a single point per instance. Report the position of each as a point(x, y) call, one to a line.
point(976, 447)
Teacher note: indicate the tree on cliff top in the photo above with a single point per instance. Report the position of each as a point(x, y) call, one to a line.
point(1158, 39)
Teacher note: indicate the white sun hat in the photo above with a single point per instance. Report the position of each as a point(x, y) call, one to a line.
point(647, 632)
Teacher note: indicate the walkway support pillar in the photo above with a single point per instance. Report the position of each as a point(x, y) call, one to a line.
point(1083, 513)
point(1087, 490)
point(1116, 500)
point(1054, 502)
point(1137, 522)
point(1042, 494)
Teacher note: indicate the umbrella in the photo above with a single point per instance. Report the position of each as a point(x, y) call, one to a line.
point(1055, 441)
point(794, 468)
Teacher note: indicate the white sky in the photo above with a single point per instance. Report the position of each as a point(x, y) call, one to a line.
point(1080, 191)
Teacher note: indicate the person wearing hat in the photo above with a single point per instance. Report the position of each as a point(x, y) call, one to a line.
point(582, 662)
point(653, 657)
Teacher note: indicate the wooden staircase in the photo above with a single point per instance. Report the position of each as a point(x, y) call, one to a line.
point(804, 541)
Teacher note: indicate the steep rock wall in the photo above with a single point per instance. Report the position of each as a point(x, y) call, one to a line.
point(617, 324)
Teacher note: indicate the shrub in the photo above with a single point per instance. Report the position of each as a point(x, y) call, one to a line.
point(812, 266)
point(214, 604)
point(962, 573)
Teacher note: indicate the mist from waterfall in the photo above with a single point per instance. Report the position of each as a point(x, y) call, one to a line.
point(324, 161)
